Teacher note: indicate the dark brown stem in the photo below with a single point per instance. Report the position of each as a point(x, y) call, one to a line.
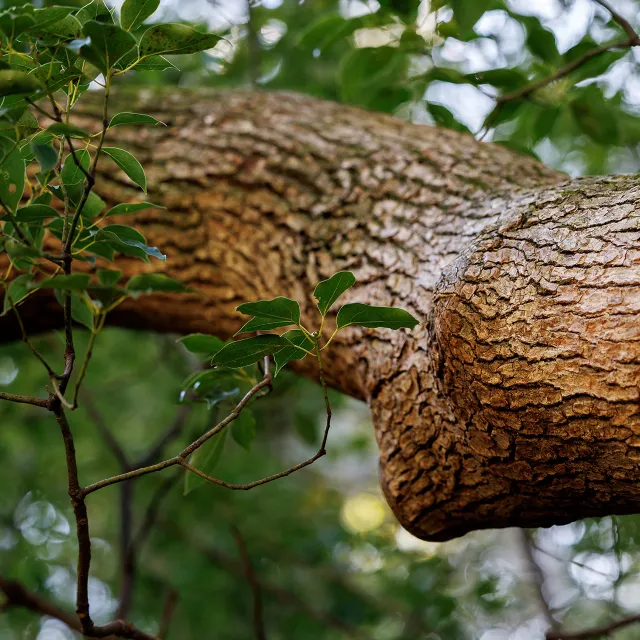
point(252, 579)
point(45, 403)
point(595, 632)
point(167, 612)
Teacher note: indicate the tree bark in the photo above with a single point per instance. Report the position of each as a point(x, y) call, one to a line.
point(515, 402)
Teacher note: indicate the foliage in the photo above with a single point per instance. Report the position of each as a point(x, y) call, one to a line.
point(329, 567)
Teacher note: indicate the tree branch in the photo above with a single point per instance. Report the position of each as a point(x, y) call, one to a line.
point(252, 579)
point(594, 632)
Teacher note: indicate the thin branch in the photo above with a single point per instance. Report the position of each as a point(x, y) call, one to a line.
point(622, 21)
point(252, 579)
point(45, 403)
point(167, 612)
point(537, 575)
point(594, 632)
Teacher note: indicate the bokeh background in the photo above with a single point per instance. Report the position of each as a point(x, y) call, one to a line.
point(331, 559)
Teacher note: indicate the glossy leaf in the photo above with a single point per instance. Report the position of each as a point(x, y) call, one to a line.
point(296, 339)
point(128, 164)
point(279, 309)
point(262, 324)
point(131, 207)
point(134, 12)
point(249, 351)
point(45, 155)
point(34, 213)
point(128, 241)
point(95, 10)
point(152, 282)
point(63, 129)
point(108, 44)
point(132, 118)
point(328, 291)
point(364, 315)
point(164, 39)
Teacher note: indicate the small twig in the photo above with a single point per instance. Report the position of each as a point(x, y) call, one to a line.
point(623, 22)
point(537, 575)
point(45, 403)
point(252, 579)
point(167, 612)
point(594, 632)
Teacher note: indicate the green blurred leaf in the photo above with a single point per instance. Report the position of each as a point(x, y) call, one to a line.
point(174, 39)
point(249, 351)
point(95, 10)
point(46, 156)
point(468, 12)
point(131, 207)
point(595, 117)
point(128, 241)
point(19, 288)
point(262, 324)
point(206, 459)
point(202, 343)
point(291, 351)
point(154, 282)
point(128, 163)
point(62, 129)
point(132, 118)
point(541, 42)
point(328, 291)
point(12, 173)
point(243, 429)
point(134, 12)
point(364, 315)
point(18, 82)
point(444, 118)
point(109, 277)
point(71, 282)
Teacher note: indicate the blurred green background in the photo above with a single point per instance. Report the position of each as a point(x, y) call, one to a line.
point(332, 561)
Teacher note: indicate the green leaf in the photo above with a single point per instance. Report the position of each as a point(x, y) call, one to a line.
point(132, 118)
point(279, 309)
point(71, 174)
point(80, 311)
point(62, 129)
point(35, 213)
point(175, 39)
point(328, 29)
point(150, 282)
point(596, 117)
point(109, 277)
point(13, 24)
point(243, 429)
point(262, 324)
point(128, 164)
point(18, 83)
point(95, 10)
point(468, 12)
point(246, 352)
point(19, 288)
point(108, 44)
point(328, 291)
point(128, 241)
point(45, 155)
point(296, 339)
point(134, 12)
point(444, 118)
point(364, 315)
point(131, 207)
point(12, 173)
point(202, 343)
point(71, 282)
point(206, 459)
point(541, 42)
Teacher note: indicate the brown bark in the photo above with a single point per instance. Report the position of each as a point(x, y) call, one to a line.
point(516, 400)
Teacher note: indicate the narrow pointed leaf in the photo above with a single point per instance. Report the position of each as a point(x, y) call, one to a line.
point(243, 429)
point(246, 352)
point(262, 324)
point(72, 282)
point(364, 315)
point(150, 282)
point(131, 207)
point(175, 39)
point(128, 164)
point(62, 129)
point(296, 339)
point(35, 213)
point(328, 291)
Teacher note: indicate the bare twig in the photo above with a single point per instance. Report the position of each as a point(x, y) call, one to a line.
point(45, 403)
point(537, 575)
point(252, 579)
point(167, 612)
point(622, 21)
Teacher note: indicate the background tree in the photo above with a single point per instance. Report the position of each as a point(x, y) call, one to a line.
point(574, 127)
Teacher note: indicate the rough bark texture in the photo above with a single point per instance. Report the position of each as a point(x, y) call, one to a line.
point(516, 400)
